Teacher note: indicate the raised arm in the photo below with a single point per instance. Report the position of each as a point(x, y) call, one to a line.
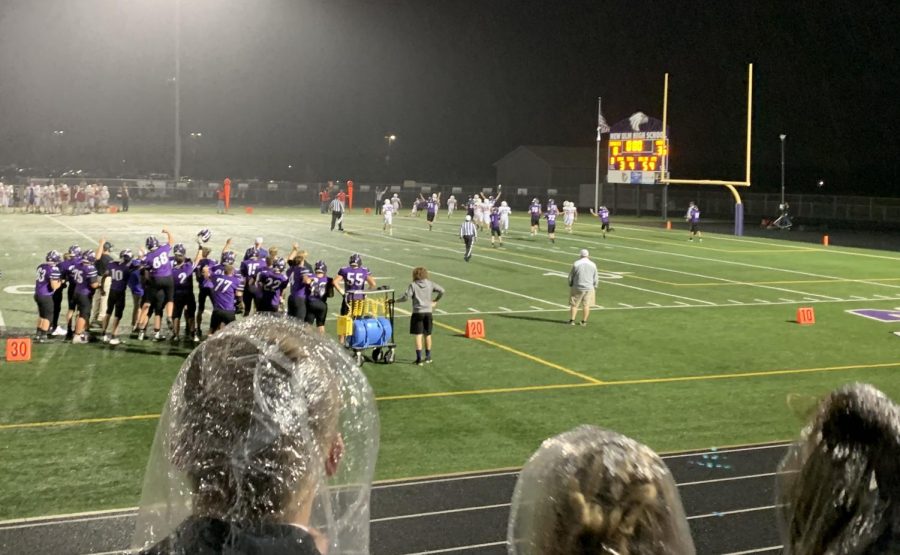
point(171, 239)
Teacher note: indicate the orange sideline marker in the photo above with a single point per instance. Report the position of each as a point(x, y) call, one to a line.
point(474, 329)
point(806, 316)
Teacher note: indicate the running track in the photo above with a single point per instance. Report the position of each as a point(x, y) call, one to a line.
point(728, 496)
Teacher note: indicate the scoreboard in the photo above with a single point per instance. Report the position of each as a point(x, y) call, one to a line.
point(637, 157)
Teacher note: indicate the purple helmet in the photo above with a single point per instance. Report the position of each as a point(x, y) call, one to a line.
point(355, 260)
point(279, 264)
point(228, 258)
point(179, 249)
point(151, 243)
point(75, 250)
point(89, 256)
point(204, 235)
point(321, 267)
point(53, 256)
point(252, 252)
point(126, 255)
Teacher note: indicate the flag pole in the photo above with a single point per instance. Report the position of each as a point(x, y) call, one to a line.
point(598, 196)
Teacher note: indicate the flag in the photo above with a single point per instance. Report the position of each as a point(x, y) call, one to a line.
point(602, 126)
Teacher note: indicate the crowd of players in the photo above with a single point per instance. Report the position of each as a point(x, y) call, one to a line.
point(162, 279)
point(51, 198)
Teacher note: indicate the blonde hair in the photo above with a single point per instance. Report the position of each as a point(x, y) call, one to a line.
point(607, 508)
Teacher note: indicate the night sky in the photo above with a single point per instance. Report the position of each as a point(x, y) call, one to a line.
point(318, 84)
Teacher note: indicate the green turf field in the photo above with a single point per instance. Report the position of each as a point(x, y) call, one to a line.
point(695, 345)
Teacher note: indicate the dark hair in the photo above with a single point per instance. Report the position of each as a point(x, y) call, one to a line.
point(420, 273)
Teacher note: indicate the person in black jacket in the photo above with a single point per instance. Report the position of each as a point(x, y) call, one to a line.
point(266, 420)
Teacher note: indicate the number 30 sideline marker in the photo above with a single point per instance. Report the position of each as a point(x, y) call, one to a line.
point(18, 349)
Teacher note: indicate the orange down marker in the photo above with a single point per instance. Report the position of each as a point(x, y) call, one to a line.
point(806, 315)
point(18, 349)
point(474, 329)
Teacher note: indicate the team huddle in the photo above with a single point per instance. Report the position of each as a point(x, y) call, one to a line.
point(162, 280)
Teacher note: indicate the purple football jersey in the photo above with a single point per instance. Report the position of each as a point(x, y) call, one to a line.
point(223, 290)
point(271, 284)
point(183, 281)
point(159, 261)
point(495, 220)
point(135, 282)
point(45, 274)
point(297, 276)
point(252, 266)
point(64, 269)
point(603, 214)
point(85, 274)
point(431, 206)
point(534, 208)
point(119, 275)
point(318, 287)
point(354, 279)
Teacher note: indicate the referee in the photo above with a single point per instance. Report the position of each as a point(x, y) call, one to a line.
point(337, 214)
point(468, 233)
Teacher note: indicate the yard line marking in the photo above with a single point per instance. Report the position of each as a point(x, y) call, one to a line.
point(761, 301)
point(460, 548)
point(681, 303)
point(536, 308)
point(592, 383)
point(486, 286)
point(808, 299)
point(49, 423)
point(504, 309)
point(777, 548)
point(626, 305)
point(435, 513)
point(70, 228)
point(524, 355)
point(734, 301)
point(734, 512)
point(858, 298)
point(882, 296)
point(473, 310)
point(507, 261)
point(787, 300)
point(654, 304)
point(440, 311)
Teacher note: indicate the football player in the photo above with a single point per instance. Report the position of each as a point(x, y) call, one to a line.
point(318, 289)
point(551, 214)
point(451, 205)
point(158, 262)
point(71, 259)
point(86, 282)
point(602, 213)
point(252, 264)
point(271, 282)
point(693, 217)
point(184, 301)
point(226, 290)
point(119, 274)
point(504, 211)
point(570, 214)
point(431, 208)
point(46, 282)
point(387, 212)
point(496, 231)
point(351, 278)
point(535, 212)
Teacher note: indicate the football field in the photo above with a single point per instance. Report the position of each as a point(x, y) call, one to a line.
point(692, 345)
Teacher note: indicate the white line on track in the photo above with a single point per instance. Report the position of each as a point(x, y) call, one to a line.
point(734, 512)
point(460, 548)
point(776, 548)
point(444, 512)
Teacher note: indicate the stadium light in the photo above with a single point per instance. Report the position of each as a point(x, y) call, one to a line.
point(390, 141)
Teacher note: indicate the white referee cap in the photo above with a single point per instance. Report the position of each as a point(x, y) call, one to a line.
point(584, 253)
point(468, 218)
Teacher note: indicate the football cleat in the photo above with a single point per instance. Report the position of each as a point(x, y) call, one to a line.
point(114, 341)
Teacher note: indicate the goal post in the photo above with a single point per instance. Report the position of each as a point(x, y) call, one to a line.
point(730, 185)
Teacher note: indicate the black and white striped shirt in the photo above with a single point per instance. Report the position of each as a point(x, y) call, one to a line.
point(337, 206)
point(468, 229)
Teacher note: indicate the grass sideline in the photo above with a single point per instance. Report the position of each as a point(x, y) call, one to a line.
point(694, 347)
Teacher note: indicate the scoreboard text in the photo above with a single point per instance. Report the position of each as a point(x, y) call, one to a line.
point(639, 157)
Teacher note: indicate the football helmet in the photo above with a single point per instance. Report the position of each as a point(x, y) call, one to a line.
point(321, 267)
point(355, 260)
point(126, 255)
point(53, 256)
point(179, 249)
point(228, 258)
point(152, 243)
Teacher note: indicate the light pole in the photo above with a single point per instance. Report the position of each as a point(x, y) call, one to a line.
point(390, 141)
point(782, 137)
point(195, 147)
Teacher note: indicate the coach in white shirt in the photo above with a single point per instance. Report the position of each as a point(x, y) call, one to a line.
point(583, 279)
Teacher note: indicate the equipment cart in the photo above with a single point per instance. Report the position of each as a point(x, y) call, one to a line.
point(369, 324)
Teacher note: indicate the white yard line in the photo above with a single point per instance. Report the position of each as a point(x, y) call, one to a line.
point(504, 309)
point(777, 548)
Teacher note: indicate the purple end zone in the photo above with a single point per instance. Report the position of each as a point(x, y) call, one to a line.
point(880, 315)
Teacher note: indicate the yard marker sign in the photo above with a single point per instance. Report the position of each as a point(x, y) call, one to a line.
point(474, 329)
point(18, 349)
point(806, 316)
